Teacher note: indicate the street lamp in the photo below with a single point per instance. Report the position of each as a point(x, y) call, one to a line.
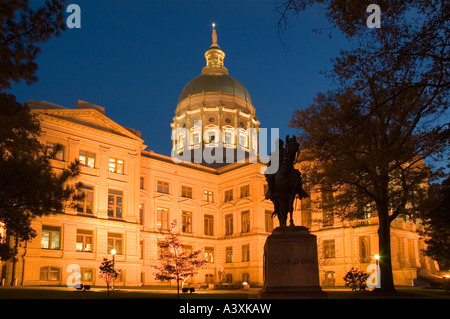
point(113, 252)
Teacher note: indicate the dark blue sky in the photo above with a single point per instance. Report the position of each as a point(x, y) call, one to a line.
point(134, 58)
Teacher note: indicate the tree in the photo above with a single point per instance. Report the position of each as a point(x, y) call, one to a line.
point(107, 272)
point(176, 262)
point(29, 187)
point(21, 30)
point(368, 138)
point(356, 280)
point(436, 219)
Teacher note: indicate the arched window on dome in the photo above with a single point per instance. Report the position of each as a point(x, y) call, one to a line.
point(229, 136)
point(181, 139)
point(211, 136)
point(196, 134)
point(243, 138)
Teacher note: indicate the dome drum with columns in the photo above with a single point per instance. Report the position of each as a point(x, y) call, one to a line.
point(215, 110)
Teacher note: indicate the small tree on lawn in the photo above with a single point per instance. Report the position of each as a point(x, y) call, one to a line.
point(176, 263)
point(356, 280)
point(107, 272)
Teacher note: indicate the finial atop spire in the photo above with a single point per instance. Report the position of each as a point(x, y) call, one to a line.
point(214, 36)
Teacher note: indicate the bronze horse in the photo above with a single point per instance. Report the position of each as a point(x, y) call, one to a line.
point(286, 184)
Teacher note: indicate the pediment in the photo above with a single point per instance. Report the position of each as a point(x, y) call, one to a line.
point(163, 198)
point(92, 118)
point(187, 202)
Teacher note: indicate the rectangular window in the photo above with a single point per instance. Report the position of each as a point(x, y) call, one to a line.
point(84, 240)
point(208, 196)
point(209, 225)
point(268, 221)
point(305, 204)
point(55, 151)
point(228, 137)
point(245, 191)
point(162, 250)
point(209, 278)
point(209, 254)
point(327, 209)
point(51, 237)
point(115, 241)
point(116, 165)
point(115, 203)
point(162, 218)
point(245, 219)
point(141, 182)
point(162, 187)
point(49, 273)
point(229, 255)
point(196, 138)
point(186, 191)
point(141, 244)
point(245, 253)
point(186, 222)
point(86, 204)
point(228, 224)
point(87, 158)
point(228, 195)
point(329, 249)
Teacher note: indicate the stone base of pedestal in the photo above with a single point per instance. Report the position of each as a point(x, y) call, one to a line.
point(291, 268)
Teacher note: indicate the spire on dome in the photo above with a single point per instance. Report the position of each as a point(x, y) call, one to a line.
point(214, 57)
point(214, 36)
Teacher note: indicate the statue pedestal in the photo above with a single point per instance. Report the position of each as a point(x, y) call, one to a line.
point(291, 268)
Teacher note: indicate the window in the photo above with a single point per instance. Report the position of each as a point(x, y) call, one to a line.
point(51, 237)
point(86, 204)
point(115, 203)
point(141, 182)
point(229, 137)
point(245, 253)
point(87, 159)
point(246, 277)
point(55, 151)
point(208, 196)
point(87, 274)
point(268, 221)
point(229, 255)
point(211, 134)
point(209, 254)
point(245, 218)
point(229, 195)
point(186, 191)
point(328, 249)
point(196, 137)
point(141, 214)
point(84, 240)
point(49, 273)
point(186, 222)
point(162, 187)
point(141, 245)
point(228, 224)
point(162, 218)
point(115, 241)
point(245, 191)
point(327, 213)
point(305, 204)
point(209, 225)
point(115, 165)
point(162, 250)
point(243, 138)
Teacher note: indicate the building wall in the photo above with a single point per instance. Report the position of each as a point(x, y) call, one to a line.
point(88, 129)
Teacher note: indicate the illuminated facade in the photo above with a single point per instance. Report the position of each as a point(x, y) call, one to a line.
point(133, 194)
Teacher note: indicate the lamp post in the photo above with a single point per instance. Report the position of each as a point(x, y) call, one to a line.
point(377, 257)
point(113, 252)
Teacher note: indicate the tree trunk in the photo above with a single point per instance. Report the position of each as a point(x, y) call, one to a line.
point(13, 272)
point(384, 244)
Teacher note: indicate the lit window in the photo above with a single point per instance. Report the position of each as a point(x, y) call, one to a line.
point(84, 240)
point(87, 159)
point(209, 254)
point(115, 203)
point(115, 165)
point(141, 214)
point(208, 196)
point(115, 241)
point(49, 273)
point(51, 237)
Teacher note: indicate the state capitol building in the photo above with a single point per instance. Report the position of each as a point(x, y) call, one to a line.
point(133, 194)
